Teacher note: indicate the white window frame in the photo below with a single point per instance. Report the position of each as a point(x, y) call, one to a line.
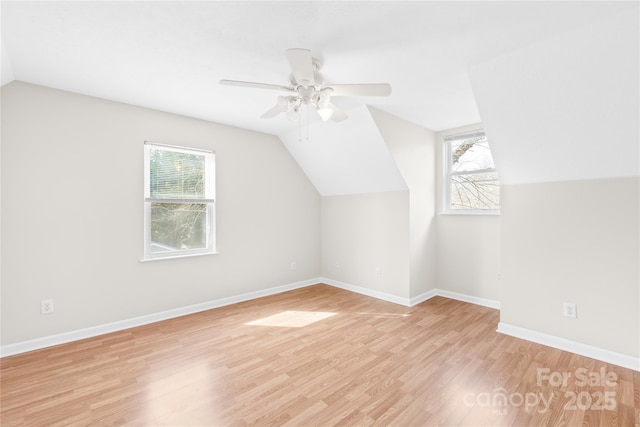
point(448, 173)
point(209, 200)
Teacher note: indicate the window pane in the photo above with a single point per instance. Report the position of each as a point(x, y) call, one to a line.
point(475, 191)
point(176, 175)
point(178, 226)
point(471, 154)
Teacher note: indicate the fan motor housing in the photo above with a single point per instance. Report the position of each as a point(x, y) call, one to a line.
point(317, 77)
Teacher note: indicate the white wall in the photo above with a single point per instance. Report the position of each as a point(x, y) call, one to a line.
point(72, 213)
point(362, 232)
point(574, 242)
point(468, 255)
point(391, 230)
point(6, 69)
point(561, 116)
point(413, 150)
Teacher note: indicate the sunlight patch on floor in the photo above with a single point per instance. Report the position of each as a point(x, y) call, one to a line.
point(178, 393)
point(293, 319)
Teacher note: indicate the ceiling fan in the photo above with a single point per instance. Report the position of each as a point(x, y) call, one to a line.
point(307, 87)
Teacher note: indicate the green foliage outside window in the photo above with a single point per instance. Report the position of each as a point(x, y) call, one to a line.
point(178, 199)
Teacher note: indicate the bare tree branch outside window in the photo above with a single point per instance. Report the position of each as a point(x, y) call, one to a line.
point(178, 200)
point(473, 180)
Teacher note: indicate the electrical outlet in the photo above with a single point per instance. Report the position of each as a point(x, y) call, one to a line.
point(294, 265)
point(46, 306)
point(378, 272)
point(570, 310)
point(337, 264)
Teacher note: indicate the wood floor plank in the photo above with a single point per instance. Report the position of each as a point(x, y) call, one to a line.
point(315, 356)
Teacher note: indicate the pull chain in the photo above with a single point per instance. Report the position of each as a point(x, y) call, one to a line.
point(300, 119)
point(299, 130)
point(307, 122)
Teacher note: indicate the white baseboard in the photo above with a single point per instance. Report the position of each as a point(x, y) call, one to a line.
point(48, 341)
point(66, 337)
point(366, 291)
point(518, 332)
point(410, 302)
point(598, 353)
point(468, 298)
point(423, 297)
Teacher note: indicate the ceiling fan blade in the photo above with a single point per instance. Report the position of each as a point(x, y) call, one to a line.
point(338, 115)
point(272, 112)
point(255, 85)
point(301, 65)
point(364, 89)
point(285, 103)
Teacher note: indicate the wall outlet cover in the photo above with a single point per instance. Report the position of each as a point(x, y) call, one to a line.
point(46, 306)
point(569, 310)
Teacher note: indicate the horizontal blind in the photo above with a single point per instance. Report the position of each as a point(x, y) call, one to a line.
point(177, 175)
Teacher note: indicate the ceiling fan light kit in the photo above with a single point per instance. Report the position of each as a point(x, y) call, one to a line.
point(325, 113)
point(308, 88)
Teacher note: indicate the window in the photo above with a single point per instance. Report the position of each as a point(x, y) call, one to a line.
point(179, 201)
point(472, 184)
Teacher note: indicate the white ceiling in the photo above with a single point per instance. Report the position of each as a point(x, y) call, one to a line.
point(170, 56)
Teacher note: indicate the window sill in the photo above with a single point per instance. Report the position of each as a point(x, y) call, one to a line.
point(471, 213)
point(177, 256)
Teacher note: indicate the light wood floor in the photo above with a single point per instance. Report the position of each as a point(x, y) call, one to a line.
point(316, 356)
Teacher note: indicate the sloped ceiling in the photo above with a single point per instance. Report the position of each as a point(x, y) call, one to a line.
point(170, 56)
point(566, 108)
point(335, 162)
